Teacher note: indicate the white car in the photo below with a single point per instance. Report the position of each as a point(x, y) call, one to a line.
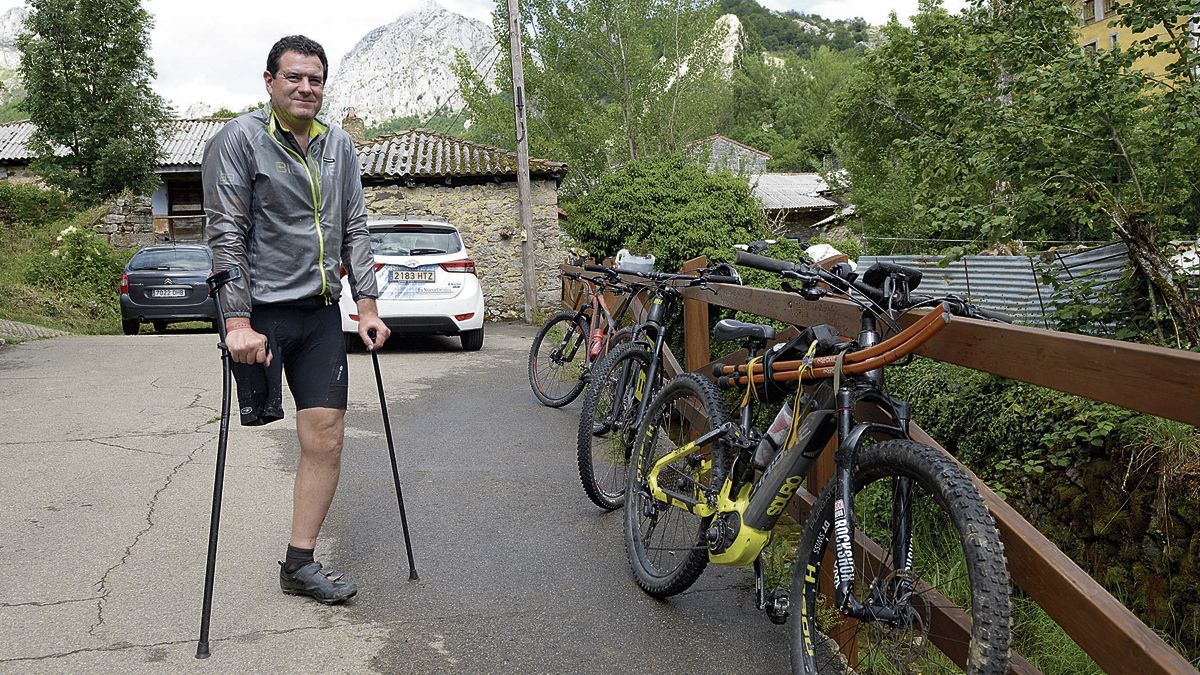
point(427, 282)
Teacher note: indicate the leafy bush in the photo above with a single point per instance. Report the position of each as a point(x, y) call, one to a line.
point(80, 269)
point(26, 205)
point(1006, 429)
point(668, 206)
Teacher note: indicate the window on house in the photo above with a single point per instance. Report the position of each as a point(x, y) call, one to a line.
point(1098, 10)
point(1112, 41)
point(185, 198)
point(1089, 49)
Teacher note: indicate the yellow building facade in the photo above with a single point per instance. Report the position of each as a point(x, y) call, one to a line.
point(1099, 29)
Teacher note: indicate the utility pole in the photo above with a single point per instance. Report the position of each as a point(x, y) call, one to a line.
point(528, 277)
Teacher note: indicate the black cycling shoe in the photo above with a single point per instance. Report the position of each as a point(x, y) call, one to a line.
point(321, 584)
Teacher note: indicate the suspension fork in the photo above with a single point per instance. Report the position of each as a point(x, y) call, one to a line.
point(850, 438)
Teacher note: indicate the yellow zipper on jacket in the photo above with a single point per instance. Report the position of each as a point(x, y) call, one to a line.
point(314, 188)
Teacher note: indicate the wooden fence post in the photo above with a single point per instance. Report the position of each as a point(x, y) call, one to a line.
point(696, 349)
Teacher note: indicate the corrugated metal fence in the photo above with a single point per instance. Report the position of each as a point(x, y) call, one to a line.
point(1016, 285)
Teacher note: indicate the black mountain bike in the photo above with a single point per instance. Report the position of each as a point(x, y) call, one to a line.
point(570, 343)
point(917, 562)
point(623, 383)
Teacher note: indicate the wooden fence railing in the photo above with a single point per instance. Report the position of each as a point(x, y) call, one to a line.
point(1153, 380)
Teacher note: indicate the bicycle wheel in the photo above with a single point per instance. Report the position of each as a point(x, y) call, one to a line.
point(557, 360)
point(666, 544)
point(956, 560)
point(608, 423)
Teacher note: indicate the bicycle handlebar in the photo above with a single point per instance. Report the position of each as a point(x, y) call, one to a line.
point(811, 274)
point(762, 262)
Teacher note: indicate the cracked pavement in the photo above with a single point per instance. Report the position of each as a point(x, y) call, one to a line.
point(107, 450)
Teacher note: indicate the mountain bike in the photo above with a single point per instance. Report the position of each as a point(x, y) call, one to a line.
point(917, 561)
point(569, 343)
point(623, 383)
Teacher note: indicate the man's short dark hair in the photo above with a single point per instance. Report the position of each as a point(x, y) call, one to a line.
point(301, 45)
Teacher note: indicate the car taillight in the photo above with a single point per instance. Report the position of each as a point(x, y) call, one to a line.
point(464, 266)
point(463, 317)
point(354, 317)
point(124, 284)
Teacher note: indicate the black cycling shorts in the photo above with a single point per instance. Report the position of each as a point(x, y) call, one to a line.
point(305, 340)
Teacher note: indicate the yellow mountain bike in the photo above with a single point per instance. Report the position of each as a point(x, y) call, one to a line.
point(918, 563)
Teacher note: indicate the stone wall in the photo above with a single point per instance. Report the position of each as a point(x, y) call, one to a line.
point(488, 219)
point(20, 174)
point(129, 222)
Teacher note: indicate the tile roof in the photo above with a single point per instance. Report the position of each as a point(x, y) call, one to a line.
point(185, 139)
point(183, 144)
point(791, 191)
point(14, 141)
point(422, 153)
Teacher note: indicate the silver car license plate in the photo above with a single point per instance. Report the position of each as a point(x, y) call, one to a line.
point(168, 292)
point(412, 275)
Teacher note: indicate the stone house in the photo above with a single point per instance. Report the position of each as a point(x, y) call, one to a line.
point(420, 172)
point(174, 211)
point(792, 202)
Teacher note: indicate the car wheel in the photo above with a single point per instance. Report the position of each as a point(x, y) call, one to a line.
point(472, 340)
point(160, 326)
point(216, 326)
point(130, 326)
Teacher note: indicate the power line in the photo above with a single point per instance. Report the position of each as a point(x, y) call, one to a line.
point(458, 91)
point(475, 70)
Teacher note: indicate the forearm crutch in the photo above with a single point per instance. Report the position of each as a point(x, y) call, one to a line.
point(387, 428)
point(215, 282)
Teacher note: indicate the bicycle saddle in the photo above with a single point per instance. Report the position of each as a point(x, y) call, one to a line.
point(732, 329)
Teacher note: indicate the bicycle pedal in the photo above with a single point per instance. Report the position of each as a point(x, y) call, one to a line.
point(778, 606)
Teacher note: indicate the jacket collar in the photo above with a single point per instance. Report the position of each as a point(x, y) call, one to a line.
point(316, 127)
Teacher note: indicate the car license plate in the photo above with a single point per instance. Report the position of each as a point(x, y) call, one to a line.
point(168, 292)
point(412, 275)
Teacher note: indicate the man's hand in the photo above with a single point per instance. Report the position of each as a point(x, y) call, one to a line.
point(245, 344)
point(368, 318)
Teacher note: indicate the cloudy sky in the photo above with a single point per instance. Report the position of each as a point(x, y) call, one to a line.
point(215, 51)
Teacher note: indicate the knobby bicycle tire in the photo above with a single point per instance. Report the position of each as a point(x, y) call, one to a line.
point(607, 423)
point(956, 555)
point(556, 376)
point(687, 407)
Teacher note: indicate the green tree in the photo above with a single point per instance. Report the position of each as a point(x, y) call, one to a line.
point(607, 81)
point(88, 74)
point(784, 105)
point(992, 125)
point(671, 207)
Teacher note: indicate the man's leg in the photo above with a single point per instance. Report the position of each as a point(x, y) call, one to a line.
point(321, 432)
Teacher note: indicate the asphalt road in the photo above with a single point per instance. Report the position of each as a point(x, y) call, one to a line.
point(106, 452)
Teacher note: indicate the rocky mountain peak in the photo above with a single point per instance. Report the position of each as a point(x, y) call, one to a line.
point(403, 68)
point(12, 23)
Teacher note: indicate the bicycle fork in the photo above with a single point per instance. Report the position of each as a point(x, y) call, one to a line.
point(878, 607)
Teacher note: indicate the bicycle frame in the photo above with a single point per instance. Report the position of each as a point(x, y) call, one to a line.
point(570, 344)
point(601, 318)
point(661, 303)
point(757, 506)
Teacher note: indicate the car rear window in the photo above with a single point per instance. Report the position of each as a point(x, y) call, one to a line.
point(179, 259)
point(415, 241)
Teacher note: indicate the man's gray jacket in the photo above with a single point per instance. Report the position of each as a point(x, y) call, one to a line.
point(288, 220)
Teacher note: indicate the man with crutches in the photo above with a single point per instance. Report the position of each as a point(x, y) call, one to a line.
point(284, 201)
